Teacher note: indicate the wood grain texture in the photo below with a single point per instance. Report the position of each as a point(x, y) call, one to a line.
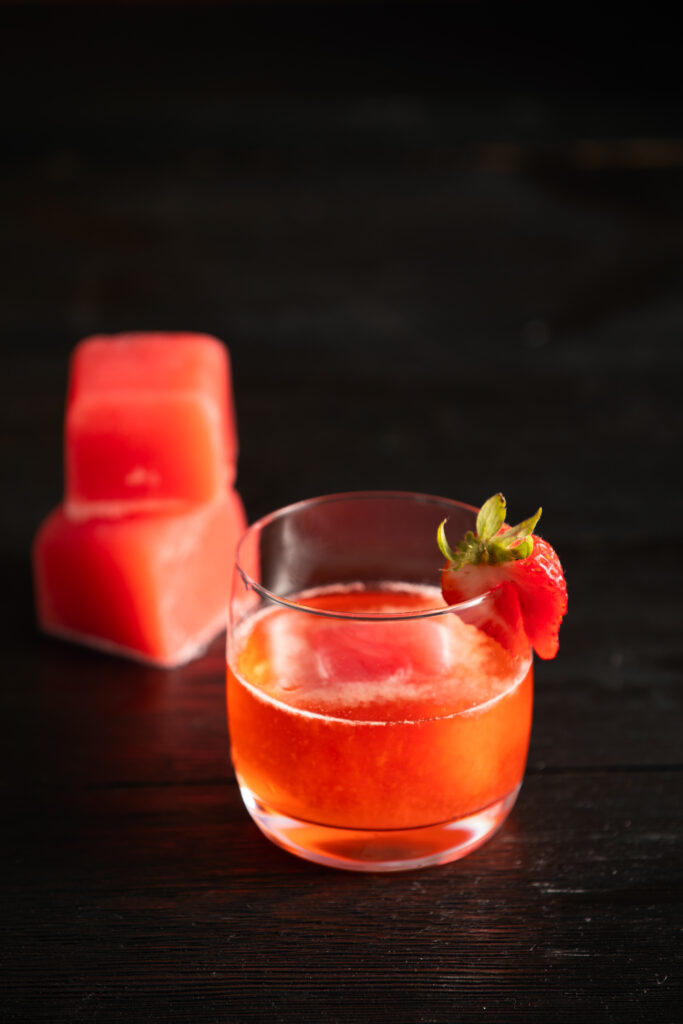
point(158, 900)
point(447, 260)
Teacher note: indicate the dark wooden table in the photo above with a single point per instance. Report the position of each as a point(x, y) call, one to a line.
point(447, 255)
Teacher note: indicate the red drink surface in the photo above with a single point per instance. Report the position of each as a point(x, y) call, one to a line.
point(376, 724)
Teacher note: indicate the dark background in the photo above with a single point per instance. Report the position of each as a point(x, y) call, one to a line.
point(444, 243)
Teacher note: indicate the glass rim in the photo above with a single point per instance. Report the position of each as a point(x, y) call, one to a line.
point(339, 497)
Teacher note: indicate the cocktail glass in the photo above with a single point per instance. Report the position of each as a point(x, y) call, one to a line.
point(372, 727)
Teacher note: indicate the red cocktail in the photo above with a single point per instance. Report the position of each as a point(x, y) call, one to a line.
point(372, 727)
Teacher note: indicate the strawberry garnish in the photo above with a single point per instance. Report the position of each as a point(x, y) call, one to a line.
point(498, 555)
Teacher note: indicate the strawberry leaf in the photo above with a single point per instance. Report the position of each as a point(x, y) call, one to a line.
point(468, 551)
point(502, 553)
point(516, 534)
point(491, 517)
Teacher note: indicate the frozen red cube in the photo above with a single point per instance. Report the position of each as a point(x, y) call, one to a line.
point(152, 587)
point(150, 423)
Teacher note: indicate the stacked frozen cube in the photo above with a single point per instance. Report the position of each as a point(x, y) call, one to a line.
point(138, 558)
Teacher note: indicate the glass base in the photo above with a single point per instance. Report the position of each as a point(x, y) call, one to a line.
point(383, 850)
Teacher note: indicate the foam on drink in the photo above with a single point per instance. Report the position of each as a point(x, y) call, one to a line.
point(381, 670)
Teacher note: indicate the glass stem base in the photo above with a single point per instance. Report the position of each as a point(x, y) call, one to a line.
point(383, 850)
